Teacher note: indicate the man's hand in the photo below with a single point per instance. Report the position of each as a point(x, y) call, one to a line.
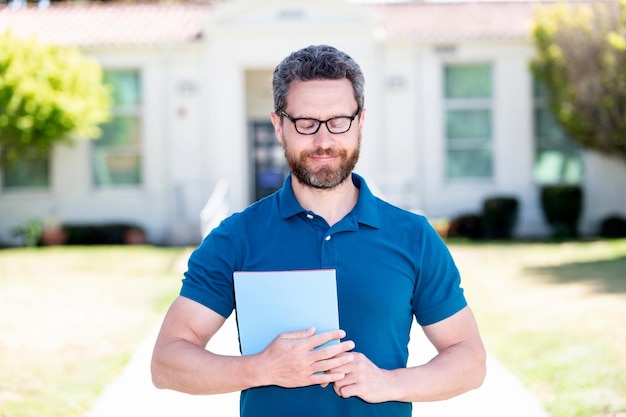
point(363, 379)
point(292, 360)
point(458, 367)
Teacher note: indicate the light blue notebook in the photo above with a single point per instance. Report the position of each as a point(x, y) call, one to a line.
point(269, 303)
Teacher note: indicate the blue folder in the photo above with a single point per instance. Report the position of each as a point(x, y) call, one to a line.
point(269, 303)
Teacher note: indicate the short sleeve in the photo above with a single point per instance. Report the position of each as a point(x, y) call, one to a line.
point(209, 276)
point(438, 293)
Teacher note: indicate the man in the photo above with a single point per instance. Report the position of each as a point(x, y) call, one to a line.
point(391, 266)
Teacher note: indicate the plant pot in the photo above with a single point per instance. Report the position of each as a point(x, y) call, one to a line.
point(53, 237)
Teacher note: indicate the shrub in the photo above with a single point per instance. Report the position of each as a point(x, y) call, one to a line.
point(499, 217)
point(106, 234)
point(48, 94)
point(30, 232)
point(613, 227)
point(562, 207)
point(467, 225)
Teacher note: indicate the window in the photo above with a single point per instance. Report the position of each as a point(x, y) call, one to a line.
point(117, 154)
point(27, 173)
point(468, 124)
point(557, 159)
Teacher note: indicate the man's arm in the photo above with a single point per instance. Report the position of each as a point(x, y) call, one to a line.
point(458, 367)
point(181, 362)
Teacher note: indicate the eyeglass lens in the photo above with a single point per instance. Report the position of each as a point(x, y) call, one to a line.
point(335, 125)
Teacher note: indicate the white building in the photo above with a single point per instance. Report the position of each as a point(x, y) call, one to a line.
point(451, 113)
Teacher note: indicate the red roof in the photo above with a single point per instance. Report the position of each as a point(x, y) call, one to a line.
point(458, 20)
point(487, 19)
point(91, 24)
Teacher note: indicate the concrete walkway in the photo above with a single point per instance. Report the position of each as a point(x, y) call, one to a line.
point(132, 393)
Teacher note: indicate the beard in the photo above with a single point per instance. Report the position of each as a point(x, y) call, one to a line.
point(324, 177)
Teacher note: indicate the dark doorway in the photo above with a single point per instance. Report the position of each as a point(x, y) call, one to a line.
point(270, 167)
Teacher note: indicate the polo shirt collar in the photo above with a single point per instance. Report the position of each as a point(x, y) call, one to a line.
point(365, 211)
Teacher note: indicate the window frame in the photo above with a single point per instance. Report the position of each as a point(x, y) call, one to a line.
point(48, 160)
point(135, 111)
point(566, 148)
point(469, 103)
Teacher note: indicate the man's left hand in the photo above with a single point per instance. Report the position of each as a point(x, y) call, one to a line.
point(363, 379)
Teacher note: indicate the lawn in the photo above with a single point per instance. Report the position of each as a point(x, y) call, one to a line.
point(555, 315)
point(70, 317)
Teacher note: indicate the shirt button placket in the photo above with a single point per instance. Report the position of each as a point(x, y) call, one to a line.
point(329, 255)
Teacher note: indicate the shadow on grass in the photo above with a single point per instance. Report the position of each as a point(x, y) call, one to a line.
point(604, 275)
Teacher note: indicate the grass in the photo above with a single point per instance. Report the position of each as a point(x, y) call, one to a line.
point(554, 314)
point(70, 318)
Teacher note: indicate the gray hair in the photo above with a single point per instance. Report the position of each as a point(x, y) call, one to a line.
point(316, 62)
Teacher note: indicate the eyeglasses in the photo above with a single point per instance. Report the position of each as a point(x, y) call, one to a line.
point(310, 126)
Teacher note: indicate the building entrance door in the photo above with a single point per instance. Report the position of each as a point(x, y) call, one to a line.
point(270, 167)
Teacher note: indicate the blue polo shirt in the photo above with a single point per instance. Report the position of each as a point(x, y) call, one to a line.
point(391, 266)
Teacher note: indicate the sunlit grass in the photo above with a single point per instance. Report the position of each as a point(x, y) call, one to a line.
point(554, 314)
point(70, 317)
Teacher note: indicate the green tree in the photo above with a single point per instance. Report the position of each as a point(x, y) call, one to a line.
point(581, 60)
point(48, 94)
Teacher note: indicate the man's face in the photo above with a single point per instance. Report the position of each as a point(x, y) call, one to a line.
point(322, 160)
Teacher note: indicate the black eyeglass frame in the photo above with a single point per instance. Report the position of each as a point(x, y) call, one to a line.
point(320, 122)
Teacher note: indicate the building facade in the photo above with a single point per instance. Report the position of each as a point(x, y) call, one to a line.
point(452, 114)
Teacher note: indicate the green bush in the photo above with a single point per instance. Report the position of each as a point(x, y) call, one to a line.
point(30, 232)
point(499, 217)
point(100, 234)
point(48, 94)
point(613, 227)
point(467, 225)
point(562, 207)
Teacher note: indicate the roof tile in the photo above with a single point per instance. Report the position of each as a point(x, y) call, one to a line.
point(98, 24)
point(458, 19)
point(124, 24)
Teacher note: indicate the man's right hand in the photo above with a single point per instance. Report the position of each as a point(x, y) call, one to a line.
point(291, 360)
point(180, 360)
